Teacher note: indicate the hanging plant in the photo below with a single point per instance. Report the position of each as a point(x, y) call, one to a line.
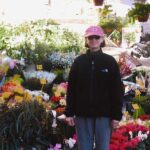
point(143, 18)
point(98, 2)
point(139, 12)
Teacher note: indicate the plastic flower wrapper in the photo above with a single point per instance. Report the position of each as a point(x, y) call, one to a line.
point(140, 80)
point(61, 60)
point(125, 65)
point(49, 77)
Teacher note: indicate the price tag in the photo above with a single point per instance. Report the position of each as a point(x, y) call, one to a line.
point(43, 81)
point(39, 67)
point(135, 106)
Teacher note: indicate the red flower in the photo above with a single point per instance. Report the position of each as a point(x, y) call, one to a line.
point(55, 99)
point(145, 117)
point(122, 140)
point(60, 110)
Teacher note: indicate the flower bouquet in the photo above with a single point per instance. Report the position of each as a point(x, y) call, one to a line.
point(39, 80)
point(125, 65)
point(131, 135)
point(58, 99)
point(49, 77)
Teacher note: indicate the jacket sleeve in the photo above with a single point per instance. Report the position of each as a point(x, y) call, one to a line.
point(71, 91)
point(117, 92)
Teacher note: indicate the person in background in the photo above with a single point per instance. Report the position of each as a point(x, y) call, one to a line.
point(95, 93)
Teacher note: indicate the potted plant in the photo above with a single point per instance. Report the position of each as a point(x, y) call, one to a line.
point(129, 37)
point(139, 12)
point(98, 2)
point(111, 24)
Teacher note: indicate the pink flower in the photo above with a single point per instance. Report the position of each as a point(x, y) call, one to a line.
point(64, 85)
point(75, 137)
point(12, 64)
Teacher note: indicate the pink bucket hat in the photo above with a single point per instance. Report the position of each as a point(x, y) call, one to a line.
point(94, 30)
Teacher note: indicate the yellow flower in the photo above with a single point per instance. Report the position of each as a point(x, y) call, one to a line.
point(61, 89)
point(57, 93)
point(18, 99)
point(19, 90)
point(39, 99)
point(137, 93)
point(10, 105)
point(2, 101)
point(6, 95)
point(28, 97)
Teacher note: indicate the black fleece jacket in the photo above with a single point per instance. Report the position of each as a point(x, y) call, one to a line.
point(94, 87)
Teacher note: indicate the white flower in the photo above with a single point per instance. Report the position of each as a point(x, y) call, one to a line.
point(142, 136)
point(34, 94)
point(49, 77)
point(62, 59)
point(131, 134)
point(62, 102)
point(70, 142)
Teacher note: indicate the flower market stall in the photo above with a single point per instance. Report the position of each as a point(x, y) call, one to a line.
point(32, 105)
point(33, 99)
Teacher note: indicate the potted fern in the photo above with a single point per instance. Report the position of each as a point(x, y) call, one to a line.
point(139, 12)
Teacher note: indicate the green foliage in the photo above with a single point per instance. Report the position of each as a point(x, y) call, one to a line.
point(139, 10)
point(28, 125)
point(144, 102)
point(4, 35)
point(144, 145)
point(116, 37)
point(36, 39)
point(129, 37)
point(70, 41)
point(105, 11)
point(111, 24)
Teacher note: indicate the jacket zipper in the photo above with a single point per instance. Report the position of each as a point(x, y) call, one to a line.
point(92, 79)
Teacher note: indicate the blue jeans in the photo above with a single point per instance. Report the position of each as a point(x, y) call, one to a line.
point(93, 130)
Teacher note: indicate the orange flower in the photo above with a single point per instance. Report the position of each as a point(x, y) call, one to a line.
point(60, 110)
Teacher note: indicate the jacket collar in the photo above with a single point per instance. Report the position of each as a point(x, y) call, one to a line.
point(94, 53)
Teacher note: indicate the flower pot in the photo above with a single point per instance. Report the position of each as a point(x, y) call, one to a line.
point(108, 31)
point(98, 2)
point(143, 18)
